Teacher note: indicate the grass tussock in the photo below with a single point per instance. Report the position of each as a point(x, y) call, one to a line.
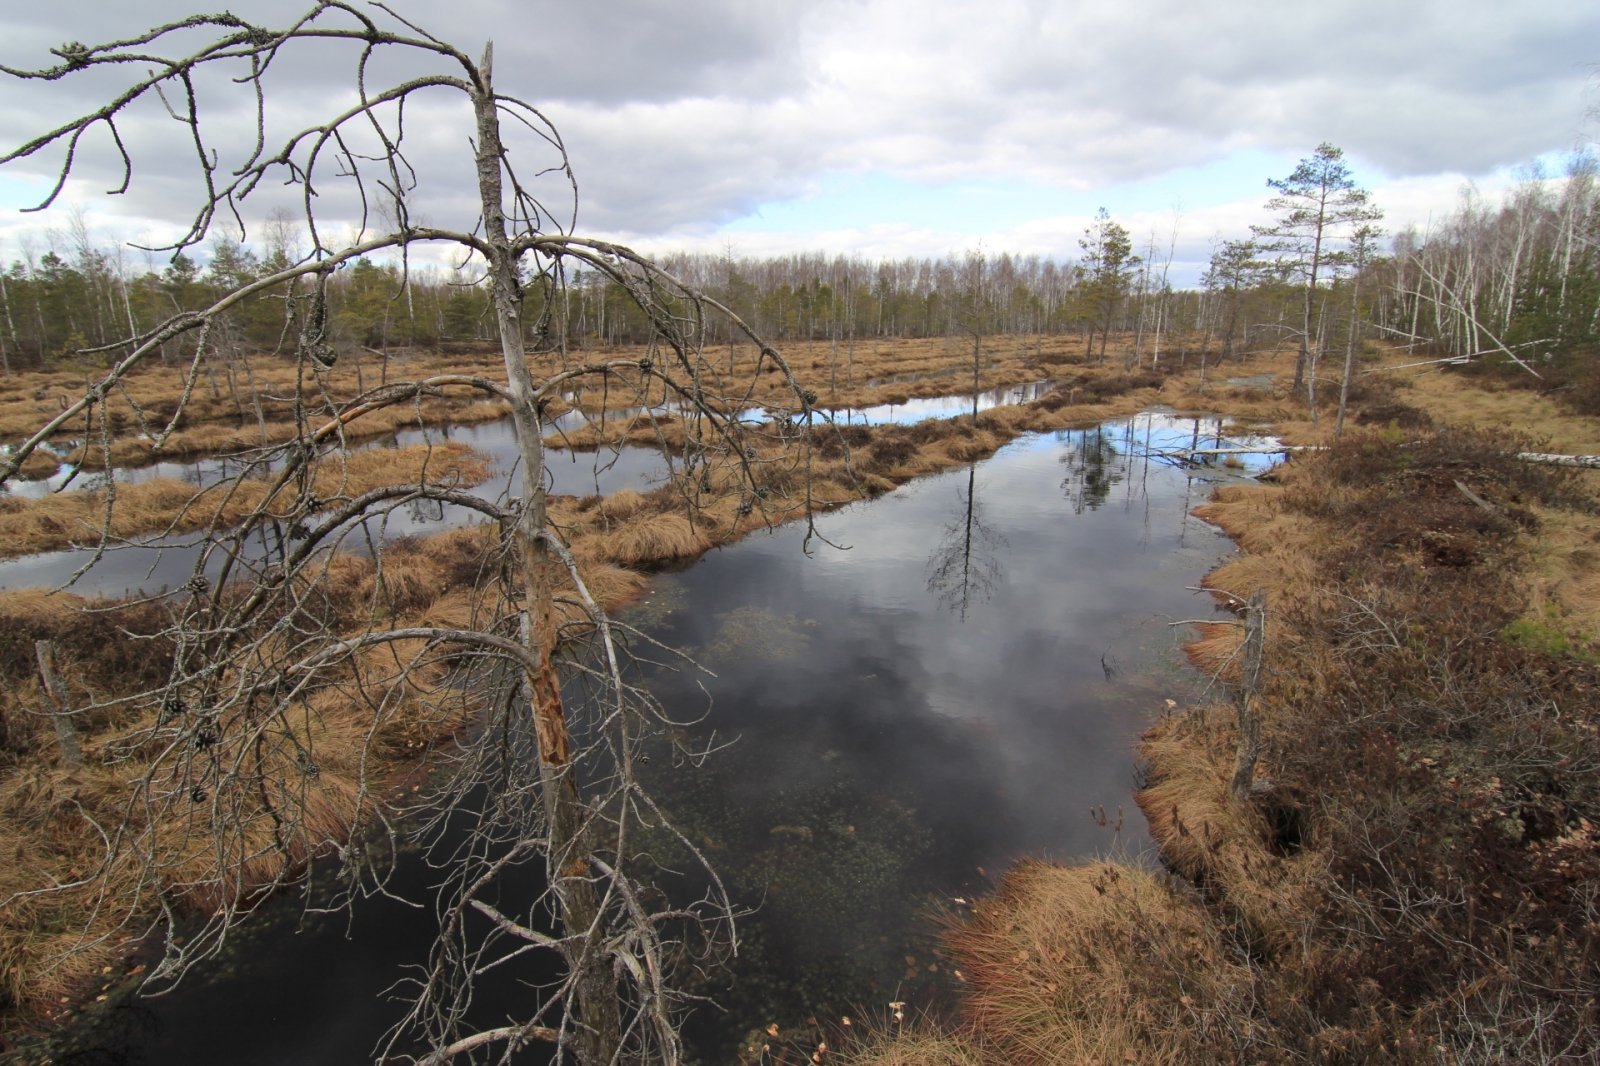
point(1242, 855)
point(53, 939)
point(1096, 963)
point(914, 1045)
point(210, 842)
point(620, 505)
point(169, 506)
point(203, 837)
point(1411, 881)
point(1214, 650)
point(382, 712)
point(654, 539)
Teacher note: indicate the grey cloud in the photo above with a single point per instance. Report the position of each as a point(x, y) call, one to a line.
point(683, 116)
point(590, 53)
point(627, 50)
point(666, 170)
point(555, 56)
point(1498, 82)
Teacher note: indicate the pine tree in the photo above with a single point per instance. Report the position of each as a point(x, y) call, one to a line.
point(1108, 267)
point(1315, 205)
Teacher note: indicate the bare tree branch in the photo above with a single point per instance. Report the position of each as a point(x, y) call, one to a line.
point(285, 672)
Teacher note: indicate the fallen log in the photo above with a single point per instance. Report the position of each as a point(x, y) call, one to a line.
point(1590, 462)
point(1244, 449)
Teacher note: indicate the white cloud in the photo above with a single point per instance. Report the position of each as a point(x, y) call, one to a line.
point(684, 118)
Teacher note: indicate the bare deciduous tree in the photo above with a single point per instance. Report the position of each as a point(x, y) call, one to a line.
point(226, 797)
point(1361, 253)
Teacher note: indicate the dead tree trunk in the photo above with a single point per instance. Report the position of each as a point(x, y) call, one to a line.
point(61, 708)
point(1249, 745)
point(598, 1011)
point(1592, 462)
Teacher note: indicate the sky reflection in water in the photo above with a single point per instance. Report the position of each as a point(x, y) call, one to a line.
point(916, 712)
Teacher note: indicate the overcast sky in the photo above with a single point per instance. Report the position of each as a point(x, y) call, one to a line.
point(890, 127)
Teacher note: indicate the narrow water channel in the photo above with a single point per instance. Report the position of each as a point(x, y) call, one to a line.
point(957, 686)
point(156, 563)
point(580, 473)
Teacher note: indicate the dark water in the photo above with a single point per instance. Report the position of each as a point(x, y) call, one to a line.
point(959, 686)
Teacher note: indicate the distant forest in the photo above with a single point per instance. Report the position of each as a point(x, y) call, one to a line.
point(1518, 280)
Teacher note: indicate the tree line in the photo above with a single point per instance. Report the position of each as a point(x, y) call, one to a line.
point(1515, 282)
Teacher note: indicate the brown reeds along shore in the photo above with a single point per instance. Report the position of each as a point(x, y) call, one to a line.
point(1420, 846)
point(168, 505)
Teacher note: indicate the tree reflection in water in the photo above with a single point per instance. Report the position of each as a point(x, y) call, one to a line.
point(966, 565)
point(1092, 470)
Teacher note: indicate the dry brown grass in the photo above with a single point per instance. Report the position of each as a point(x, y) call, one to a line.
point(169, 506)
point(887, 370)
point(1454, 399)
point(39, 465)
point(654, 538)
point(1215, 650)
point(54, 944)
point(1564, 574)
point(222, 417)
point(621, 505)
point(424, 582)
point(1312, 874)
point(913, 1045)
point(1101, 963)
point(665, 431)
point(1228, 848)
point(1387, 658)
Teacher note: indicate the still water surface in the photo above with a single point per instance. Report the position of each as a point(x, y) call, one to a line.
point(151, 564)
point(959, 686)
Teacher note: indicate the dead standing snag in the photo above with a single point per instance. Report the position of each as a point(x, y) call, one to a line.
point(227, 791)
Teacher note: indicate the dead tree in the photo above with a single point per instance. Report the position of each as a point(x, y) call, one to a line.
point(60, 707)
point(1248, 749)
point(221, 759)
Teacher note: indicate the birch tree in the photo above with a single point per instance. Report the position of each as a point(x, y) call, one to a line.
point(1361, 253)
